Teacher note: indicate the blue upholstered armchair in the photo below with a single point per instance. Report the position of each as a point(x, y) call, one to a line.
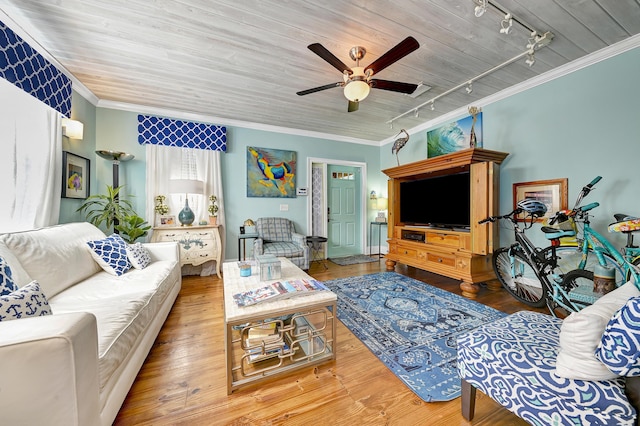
point(278, 236)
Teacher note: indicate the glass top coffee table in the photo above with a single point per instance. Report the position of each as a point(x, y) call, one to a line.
point(302, 329)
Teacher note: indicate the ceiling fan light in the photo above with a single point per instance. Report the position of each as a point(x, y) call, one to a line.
point(356, 91)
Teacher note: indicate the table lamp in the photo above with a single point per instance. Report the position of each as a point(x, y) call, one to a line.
point(186, 187)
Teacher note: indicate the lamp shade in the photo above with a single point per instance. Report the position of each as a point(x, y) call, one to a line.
point(381, 203)
point(186, 186)
point(356, 90)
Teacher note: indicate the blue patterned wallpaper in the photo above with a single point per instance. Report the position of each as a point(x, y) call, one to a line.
point(185, 134)
point(21, 65)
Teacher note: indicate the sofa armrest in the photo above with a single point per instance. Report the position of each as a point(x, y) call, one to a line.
point(299, 239)
point(49, 370)
point(163, 251)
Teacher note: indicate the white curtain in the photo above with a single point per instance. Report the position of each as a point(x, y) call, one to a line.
point(165, 163)
point(31, 161)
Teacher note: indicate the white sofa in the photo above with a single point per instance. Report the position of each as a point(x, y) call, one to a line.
point(76, 366)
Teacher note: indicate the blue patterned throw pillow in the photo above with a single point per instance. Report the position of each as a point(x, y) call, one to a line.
point(6, 280)
point(619, 348)
point(28, 301)
point(138, 255)
point(111, 254)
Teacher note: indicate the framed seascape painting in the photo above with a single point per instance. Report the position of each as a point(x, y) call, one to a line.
point(271, 173)
point(455, 136)
point(75, 176)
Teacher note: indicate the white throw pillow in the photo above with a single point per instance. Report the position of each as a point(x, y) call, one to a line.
point(581, 332)
point(28, 301)
point(111, 254)
point(138, 255)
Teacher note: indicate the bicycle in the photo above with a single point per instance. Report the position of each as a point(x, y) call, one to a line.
point(534, 275)
point(625, 261)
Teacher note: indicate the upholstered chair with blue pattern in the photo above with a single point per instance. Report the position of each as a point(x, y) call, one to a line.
point(278, 236)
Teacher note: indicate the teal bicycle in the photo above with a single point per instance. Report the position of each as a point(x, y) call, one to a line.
point(624, 262)
point(538, 276)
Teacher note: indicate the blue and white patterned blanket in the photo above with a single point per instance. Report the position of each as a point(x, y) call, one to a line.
point(513, 361)
point(411, 327)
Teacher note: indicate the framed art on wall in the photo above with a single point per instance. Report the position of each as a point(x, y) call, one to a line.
point(76, 171)
point(552, 193)
point(455, 136)
point(271, 173)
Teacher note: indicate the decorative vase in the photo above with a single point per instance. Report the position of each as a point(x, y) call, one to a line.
point(186, 215)
point(213, 220)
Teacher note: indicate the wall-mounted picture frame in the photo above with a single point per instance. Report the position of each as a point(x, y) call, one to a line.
point(552, 193)
point(271, 173)
point(76, 173)
point(166, 220)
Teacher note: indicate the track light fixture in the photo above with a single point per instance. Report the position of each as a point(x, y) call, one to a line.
point(530, 58)
point(506, 24)
point(481, 8)
point(536, 42)
point(417, 113)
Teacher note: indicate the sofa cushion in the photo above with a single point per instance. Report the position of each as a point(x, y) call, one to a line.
point(57, 256)
point(581, 333)
point(111, 254)
point(25, 302)
point(283, 249)
point(138, 255)
point(7, 285)
point(619, 348)
point(123, 308)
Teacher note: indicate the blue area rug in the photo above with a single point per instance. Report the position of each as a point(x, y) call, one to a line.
point(353, 260)
point(411, 327)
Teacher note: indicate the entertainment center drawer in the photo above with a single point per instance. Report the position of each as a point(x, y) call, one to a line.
point(441, 259)
point(441, 239)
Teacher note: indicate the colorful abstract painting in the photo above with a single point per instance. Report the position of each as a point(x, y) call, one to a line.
point(454, 136)
point(271, 173)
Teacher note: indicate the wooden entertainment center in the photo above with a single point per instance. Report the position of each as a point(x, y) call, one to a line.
point(463, 254)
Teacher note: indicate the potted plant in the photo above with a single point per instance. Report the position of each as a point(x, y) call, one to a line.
point(115, 214)
point(213, 210)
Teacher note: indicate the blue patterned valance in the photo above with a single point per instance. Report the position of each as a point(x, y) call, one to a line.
point(21, 65)
point(186, 134)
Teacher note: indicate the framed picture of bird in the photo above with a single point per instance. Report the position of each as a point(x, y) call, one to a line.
point(271, 173)
point(452, 137)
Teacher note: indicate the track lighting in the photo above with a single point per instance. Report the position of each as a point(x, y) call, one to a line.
point(391, 125)
point(469, 88)
point(433, 106)
point(417, 113)
point(481, 8)
point(530, 58)
point(506, 24)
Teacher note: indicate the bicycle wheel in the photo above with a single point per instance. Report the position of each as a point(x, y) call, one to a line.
point(574, 279)
point(569, 258)
point(519, 278)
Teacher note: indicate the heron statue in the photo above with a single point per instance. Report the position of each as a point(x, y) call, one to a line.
point(399, 143)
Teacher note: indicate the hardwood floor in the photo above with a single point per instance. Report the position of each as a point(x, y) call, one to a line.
point(183, 379)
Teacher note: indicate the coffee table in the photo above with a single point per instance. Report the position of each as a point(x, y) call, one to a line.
point(306, 328)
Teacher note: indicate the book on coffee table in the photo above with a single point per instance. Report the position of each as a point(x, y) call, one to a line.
point(278, 290)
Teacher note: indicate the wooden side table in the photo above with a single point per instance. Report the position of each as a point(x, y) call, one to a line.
point(198, 244)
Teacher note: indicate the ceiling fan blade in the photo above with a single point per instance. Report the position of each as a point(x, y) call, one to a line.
point(321, 51)
point(353, 106)
point(396, 53)
point(394, 86)
point(317, 89)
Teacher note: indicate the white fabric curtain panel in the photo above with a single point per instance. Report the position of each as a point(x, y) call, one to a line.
point(165, 163)
point(31, 163)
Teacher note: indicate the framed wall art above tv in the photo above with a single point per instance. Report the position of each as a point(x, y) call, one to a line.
point(76, 172)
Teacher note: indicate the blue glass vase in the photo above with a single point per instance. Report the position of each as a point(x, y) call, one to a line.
point(186, 216)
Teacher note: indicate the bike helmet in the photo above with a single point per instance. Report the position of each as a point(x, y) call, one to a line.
point(533, 207)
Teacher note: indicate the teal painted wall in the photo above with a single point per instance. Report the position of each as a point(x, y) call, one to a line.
point(577, 126)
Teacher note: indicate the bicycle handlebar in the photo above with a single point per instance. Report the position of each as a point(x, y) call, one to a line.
point(588, 207)
point(594, 181)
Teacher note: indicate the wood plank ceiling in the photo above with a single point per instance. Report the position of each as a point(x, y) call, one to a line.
point(244, 61)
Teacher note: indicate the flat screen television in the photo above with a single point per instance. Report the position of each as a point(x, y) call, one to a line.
point(442, 201)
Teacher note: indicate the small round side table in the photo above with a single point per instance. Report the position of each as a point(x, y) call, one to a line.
point(315, 245)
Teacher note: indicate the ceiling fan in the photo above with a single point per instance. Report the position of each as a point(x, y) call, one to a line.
point(357, 81)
